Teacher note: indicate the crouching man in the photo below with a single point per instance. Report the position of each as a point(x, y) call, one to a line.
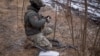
point(35, 25)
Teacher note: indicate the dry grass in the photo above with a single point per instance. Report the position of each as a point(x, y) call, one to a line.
point(70, 30)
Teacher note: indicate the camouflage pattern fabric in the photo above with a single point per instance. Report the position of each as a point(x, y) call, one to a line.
point(40, 38)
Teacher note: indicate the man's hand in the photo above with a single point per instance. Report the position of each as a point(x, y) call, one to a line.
point(48, 19)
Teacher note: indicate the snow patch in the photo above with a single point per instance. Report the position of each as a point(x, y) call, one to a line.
point(74, 5)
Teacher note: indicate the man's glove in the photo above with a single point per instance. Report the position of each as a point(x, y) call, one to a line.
point(48, 19)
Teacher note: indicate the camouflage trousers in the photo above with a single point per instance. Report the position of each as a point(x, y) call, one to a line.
point(40, 38)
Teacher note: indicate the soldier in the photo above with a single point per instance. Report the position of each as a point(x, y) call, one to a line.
point(34, 25)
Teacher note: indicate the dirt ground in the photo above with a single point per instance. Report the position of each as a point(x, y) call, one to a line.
point(12, 35)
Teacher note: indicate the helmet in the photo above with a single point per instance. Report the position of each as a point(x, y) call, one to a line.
point(39, 3)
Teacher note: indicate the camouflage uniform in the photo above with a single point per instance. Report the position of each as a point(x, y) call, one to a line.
point(34, 26)
point(40, 38)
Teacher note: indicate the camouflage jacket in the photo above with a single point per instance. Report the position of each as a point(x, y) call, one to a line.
point(33, 22)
